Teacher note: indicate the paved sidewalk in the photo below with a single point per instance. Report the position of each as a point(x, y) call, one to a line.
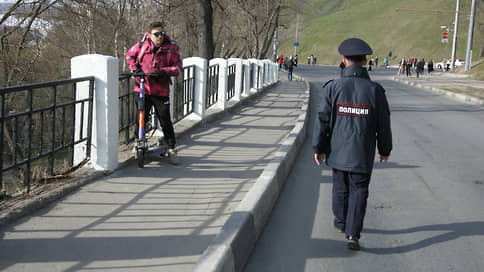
point(161, 217)
point(457, 86)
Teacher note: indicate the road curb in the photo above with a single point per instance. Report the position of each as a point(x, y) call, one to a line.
point(456, 96)
point(231, 248)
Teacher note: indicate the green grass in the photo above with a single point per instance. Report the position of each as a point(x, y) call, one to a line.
point(477, 72)
point(405, 33)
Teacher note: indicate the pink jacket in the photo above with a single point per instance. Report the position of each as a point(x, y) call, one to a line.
point(166, 58)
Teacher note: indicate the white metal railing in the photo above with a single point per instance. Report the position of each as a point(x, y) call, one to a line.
point(251, 76)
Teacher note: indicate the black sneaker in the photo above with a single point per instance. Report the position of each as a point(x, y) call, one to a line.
point(353, 243)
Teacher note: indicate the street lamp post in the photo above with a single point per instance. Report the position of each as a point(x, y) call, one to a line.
point(454, 42)
point(469, 37)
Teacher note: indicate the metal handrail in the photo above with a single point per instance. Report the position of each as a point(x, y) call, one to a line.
point(48, 131)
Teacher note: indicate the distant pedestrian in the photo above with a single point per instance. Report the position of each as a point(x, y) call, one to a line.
point(430, 66)
point(281, 61)
point(420, 67)
point(402, 67)
point(408, 67)
point(385, 62)
point(352, 120)
point(376, 62)
point(290, 66)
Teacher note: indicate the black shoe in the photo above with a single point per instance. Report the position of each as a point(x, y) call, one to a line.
point(353, 243)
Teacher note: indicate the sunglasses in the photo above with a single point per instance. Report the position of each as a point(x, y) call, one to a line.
point(158, 34)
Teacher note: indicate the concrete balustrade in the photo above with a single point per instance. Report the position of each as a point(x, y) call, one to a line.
point(238, 77)
point(105, 126)
point(105, 132)
point(222, 82)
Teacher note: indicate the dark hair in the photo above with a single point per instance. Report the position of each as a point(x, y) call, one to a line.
point(155, 25)
point(356, 59)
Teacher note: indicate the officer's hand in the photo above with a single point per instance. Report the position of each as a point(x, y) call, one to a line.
point(319, 158)
point(160, 73)
point(384, 158)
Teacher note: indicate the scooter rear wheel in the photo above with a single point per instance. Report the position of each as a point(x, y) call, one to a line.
point(141, 157)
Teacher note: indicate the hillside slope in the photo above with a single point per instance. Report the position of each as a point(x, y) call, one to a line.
point(323, 24)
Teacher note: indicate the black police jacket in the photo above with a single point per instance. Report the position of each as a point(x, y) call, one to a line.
point(353, 118)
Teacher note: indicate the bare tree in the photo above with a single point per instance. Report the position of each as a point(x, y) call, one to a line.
point(19, 43)
point(251, 26)
point(205, 38)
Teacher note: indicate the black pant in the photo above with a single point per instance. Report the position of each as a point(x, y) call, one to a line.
point(350, 192)
point(162, 111)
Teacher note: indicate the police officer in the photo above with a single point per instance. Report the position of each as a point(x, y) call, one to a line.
point(353, 119)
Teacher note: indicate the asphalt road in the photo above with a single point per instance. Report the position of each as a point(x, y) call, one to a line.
point(425, 209)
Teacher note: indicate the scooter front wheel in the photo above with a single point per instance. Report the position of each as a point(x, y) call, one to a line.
point(141, 157)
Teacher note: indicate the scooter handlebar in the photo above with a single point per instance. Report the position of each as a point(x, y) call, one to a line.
point(139, 74)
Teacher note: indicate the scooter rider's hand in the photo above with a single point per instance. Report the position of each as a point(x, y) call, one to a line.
point(136, 71)
point(160, 73)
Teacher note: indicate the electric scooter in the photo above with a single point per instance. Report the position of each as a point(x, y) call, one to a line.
point(141, 142)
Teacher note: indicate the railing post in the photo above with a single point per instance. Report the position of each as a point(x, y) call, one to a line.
point(222, 82)
point(105, 126)
point(246, 78)
point(238, 77)
point(254, 73)
point(268, 65)
point(200, 92)
point(260, 63)
point(276, 72)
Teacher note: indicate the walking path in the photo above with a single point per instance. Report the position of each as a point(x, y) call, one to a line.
point(161, 217)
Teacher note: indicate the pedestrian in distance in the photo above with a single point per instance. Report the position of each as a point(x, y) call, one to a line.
point(290, 65)
point(420, 67)
point(281, 61)
point(402, 67)
point(430, 66)
point(409, 67)
point(157, 53)
point(353, 120)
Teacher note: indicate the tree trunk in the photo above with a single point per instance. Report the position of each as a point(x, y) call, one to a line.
point(205, 36)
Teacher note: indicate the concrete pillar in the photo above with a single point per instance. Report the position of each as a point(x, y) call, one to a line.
point(254, 66)
point(105, 126)
point(238, 77)
point(222, 81)
point(261, 74)
point(270, 72)
point(246, 79)
point(201, 66)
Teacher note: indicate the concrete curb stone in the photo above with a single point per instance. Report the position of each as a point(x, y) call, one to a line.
point(456, 96)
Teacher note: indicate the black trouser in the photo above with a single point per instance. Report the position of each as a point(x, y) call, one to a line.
point(350, 192)
point(162, 111)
